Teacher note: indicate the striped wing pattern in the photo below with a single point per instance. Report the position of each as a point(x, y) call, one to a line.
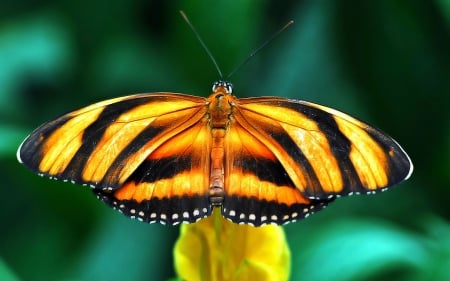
point(143, 154)
point(258, 189)
point(149, 156)
point(295, 157)
point(171, 185)
point(325, 152)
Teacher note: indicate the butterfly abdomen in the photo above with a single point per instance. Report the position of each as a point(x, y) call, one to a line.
point(216, 186)
point(219, 114)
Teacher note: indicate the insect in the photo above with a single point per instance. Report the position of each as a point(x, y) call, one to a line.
point(173, 158)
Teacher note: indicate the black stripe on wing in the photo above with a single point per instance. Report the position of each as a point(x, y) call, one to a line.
point(152, 170)
point(264, 170)
point(94, 133)
point(340, 147)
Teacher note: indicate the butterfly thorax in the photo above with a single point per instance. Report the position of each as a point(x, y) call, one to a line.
point(220, 103)
point(220, 110)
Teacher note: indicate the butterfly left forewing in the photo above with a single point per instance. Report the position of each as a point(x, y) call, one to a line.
point(326, 153)
point(102, 144)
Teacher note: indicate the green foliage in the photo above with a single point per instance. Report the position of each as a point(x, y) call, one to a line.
point(386, 62)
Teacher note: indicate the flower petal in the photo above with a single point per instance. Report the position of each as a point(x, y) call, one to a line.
point(216, 249)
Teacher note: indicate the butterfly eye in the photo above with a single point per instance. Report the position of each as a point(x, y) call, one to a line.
point(223, 84)
point(229, 88)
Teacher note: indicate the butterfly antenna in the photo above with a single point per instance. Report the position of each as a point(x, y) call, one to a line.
point(199, 38)
point(260, 48)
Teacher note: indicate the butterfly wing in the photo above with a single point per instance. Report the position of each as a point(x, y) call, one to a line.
point(146, 155)
point(259, 190)
point(325, 153)
point(149, 156)
point(171, 185)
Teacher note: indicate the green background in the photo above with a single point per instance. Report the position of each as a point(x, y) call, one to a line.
point(386, 62)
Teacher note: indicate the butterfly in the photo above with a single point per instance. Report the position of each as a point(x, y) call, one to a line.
point(172, 158)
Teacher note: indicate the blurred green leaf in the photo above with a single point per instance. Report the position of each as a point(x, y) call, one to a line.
point(121, 249)
point(6, 273)
point(355, 250)
point(35, 46)
point(444, 6)
point(10, 139)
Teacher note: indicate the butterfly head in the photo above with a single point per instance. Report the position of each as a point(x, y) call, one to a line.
point(222, 86)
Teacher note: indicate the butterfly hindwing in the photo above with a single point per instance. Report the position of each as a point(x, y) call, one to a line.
point(171, 185)
point(259, 190)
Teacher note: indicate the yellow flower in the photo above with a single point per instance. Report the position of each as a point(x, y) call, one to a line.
point(215, 249)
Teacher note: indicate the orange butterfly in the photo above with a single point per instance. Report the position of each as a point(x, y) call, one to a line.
point(172, 158)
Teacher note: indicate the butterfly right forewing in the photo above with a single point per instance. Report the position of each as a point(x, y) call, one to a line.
point(325, 152)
